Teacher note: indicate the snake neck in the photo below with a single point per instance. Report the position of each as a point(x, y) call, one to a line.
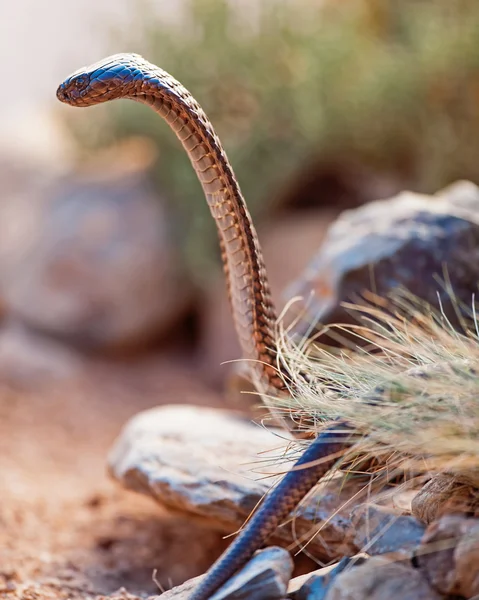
point(248, 289)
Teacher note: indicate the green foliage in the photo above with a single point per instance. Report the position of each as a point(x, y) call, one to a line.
point(391, 83)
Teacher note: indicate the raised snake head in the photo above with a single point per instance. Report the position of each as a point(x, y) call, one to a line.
point(106, 80)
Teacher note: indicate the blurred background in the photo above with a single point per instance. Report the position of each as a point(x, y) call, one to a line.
point(321, 105)
point(111, 291)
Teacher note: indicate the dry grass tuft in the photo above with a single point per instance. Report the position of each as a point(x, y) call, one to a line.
point(411, 387)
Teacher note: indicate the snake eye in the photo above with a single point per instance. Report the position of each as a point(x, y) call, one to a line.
point(81, 82)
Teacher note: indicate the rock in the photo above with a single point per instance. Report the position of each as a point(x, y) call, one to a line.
point(406, 242)
point(378, 530)
point(380, 579)
point(318, 583)
point(467, 561)
point(264, 577)
point(212, 464)
point(99, 260)
point(299, 586)
point(449, 555)
point(444, 494)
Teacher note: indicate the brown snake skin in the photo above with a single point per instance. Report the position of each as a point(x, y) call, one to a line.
point(130, 76)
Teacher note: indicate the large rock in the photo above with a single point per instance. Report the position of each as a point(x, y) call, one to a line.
point(264, 577)
point(98, 266)
point(408, 241)
point(212, 464)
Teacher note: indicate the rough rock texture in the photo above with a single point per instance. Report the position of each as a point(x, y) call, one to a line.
point(449, 555)
point(379, 530)
point(213, 465)
point(407, 242)
point(444, 494)
point(379, 579)
point(265, 577)
point(98, 261)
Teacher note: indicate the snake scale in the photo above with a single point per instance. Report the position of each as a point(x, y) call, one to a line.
point(130, 76)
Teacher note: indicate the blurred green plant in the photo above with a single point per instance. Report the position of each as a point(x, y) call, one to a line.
point(390, 83)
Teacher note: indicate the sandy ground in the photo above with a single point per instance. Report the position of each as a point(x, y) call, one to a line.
point(66, 530)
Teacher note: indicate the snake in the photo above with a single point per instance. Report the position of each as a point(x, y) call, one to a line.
point(129, 76)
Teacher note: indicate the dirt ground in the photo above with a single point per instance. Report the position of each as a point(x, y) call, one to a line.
point(66, 530)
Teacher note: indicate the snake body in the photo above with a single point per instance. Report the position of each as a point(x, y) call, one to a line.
point(130, 76)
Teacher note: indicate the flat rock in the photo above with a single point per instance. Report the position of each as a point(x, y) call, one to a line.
point(215, 465)
point(404, 242)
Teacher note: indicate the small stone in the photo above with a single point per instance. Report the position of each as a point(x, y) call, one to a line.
point(445, 494)
point(265, 577)
point(449, 555)
point(379, 530)
point(380, 579)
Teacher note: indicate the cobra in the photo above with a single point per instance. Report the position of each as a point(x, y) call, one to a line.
point(130, 76)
